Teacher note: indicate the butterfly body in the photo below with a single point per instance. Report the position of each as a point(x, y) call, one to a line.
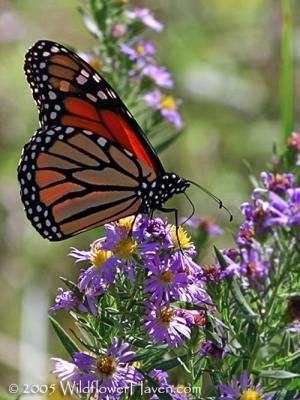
point(89, 163)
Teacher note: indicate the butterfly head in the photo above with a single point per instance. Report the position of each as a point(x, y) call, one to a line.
point(160, 190)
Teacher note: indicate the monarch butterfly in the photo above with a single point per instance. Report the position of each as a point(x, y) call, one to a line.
point(89, 163)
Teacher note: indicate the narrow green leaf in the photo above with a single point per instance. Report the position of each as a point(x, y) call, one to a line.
point(67, 342)
point(278, 374)
point(72, 286)
point(220, 258)
point(240, 300)
point(171, 363)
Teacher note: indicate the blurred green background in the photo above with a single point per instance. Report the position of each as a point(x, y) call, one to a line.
point(225, 58)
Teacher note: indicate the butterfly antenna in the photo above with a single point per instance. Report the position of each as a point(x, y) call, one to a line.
point(215, 198)
point(193, 210)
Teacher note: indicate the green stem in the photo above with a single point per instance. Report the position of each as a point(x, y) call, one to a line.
point(286, 70)
point(264, 320)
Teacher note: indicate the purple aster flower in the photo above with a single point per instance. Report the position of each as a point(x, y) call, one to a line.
point(67, 300)
point(140, 50)
point(231, 255)
point(144, 15)
point(294, 141)
point(105, 374)
point(242, 389)
point(255, 266)
point(161, 77)
point(126, 249)
point(118, 30)
point(245, 234)
point(192, 289)
point(193, 317)
point(167, 106)
point(258, 214)
point(103, 269)
point(212, 273)
point(65, 370)
point(182, 243)
point(285, 212)
point(164, 324)
point(211, 349)
point(166, 280)
point(277, 182)
point(92, 286)
point(205, 224)
point(184, 262)
point(154, 230)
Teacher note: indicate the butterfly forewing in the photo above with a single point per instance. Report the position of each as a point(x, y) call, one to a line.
point(69, 92)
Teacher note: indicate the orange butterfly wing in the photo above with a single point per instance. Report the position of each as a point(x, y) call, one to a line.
point(69, 92)
point(72, 180)
point(90, 162)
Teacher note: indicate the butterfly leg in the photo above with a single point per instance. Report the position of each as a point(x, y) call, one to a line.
point(132, 224)
point(175, 211)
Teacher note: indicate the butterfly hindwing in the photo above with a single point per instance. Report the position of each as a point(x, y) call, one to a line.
point(73, 180)
point(69, 92)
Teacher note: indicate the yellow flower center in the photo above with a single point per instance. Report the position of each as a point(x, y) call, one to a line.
point(99, 256)
point(168, 103)
point(126, 224)
point(251, 394)
point(126, 247)
point(136, 364)
point(96, 64)
point(184, 239)
point(106, 365)
point(140, 49)
point(166, 315)
point(166, 277)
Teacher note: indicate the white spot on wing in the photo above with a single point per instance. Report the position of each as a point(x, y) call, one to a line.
point(85, 73)
point(52, 95)
point(81, 79)
point(91, 97)
point(102, 95)
point(102, 141)
point(96, 78)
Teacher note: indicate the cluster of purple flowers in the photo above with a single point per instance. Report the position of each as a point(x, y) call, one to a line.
point(140, 53)
point(169, 275)
point(132, 248)
point(275, 207)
